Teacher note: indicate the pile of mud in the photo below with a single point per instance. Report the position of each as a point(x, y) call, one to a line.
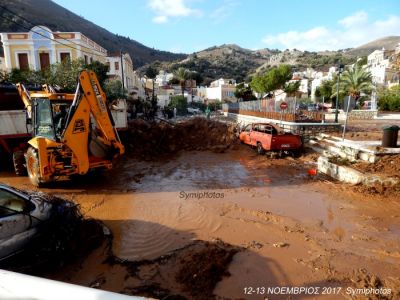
point(191, 272)
point(160, 137)
point(388, 165)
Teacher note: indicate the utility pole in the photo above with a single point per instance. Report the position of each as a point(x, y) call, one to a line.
point(340, 70)
point(122, 71)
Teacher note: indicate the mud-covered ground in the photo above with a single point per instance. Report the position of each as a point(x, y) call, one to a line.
point(367, 130)
point(200, 224)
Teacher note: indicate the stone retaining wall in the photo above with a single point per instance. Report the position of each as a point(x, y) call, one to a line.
point(363, 114)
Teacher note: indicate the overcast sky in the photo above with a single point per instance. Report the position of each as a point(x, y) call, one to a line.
point(192, 25)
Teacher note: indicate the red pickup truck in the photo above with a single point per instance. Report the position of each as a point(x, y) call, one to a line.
point(270, 137)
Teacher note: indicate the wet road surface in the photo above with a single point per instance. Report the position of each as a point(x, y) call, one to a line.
point(296, 230)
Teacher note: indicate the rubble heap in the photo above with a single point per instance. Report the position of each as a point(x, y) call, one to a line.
point(194, 134)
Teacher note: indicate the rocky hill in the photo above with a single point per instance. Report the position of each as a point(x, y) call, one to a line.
point(389, 43)
point(57, 18)
point(232, 61)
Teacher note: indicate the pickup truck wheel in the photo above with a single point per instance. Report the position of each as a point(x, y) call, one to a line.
point(19, 163)
point(32, 166)
point(260, 149)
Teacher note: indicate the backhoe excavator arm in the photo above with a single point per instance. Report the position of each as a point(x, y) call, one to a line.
point(26, 98)
point(97, 102)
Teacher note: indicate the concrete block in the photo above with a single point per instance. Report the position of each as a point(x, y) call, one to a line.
point(341, 173)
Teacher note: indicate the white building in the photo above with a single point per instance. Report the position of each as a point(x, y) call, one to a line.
point(222, 90)
point(120, 65)
point(40, 47)
point(164, 95)
point(379, 66)
point(163, 78)
point(319, 78)
point(138, 87)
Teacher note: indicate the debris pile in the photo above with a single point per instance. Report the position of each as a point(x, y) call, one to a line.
point(193, 272)
point(388, 165)
point(194, 134)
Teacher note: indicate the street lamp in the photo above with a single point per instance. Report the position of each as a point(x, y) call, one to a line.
point(340, 70)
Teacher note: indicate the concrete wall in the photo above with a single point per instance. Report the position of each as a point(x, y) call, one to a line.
point(353, 115)
point(352, 176)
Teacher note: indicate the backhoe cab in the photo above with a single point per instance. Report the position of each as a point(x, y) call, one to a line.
point(72, 133)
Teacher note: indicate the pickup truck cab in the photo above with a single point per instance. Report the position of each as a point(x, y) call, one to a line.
point(270, 137)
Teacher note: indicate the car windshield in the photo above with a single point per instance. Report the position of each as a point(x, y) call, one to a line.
point(247, 128)
point(11, 203)
point(266, 128)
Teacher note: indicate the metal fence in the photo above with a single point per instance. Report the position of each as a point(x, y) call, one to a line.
point(270, 109)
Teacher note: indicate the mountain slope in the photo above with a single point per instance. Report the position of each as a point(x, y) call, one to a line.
point(232, 61)
point(57, 18)
point(389, 43)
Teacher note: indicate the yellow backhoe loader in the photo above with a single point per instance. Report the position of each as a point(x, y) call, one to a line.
point(71, 133)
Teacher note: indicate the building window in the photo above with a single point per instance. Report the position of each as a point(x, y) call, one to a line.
point(85, 57)
point(108, 66)
point(23, 61)
point(65, 56)
point(91, 60)
point(116, 66)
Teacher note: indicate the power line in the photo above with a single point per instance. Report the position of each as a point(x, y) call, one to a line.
point(29, 29)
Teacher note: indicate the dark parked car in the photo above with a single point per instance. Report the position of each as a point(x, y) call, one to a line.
point(24, 216)
point(312, 107)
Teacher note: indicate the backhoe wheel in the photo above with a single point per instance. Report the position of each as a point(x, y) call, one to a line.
point(19, 163)
point(32, 166)
point(260, 149)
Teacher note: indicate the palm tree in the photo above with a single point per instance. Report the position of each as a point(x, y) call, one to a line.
point(354, 81)
point(182, 75)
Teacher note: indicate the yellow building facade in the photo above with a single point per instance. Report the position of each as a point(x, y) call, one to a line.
point(40, 47)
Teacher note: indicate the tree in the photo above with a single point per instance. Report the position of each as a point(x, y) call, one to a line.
point(257, 84)
point(354, 81)
point(26, 76)
point(291, 88)
point(325, 90)
point(275, 78)
point(182, 75)
point(389, 99)
point(113, 89)
point(100, 69)
point(180, 102)
point(244, 92)
point(196, 76)
point(65, 74)
point(151, 72)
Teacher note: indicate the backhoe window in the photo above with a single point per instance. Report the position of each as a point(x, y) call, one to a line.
point(44, 119)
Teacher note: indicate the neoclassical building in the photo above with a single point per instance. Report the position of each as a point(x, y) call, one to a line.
point(40, 47)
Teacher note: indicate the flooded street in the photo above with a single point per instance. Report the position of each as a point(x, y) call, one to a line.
point(289, 229)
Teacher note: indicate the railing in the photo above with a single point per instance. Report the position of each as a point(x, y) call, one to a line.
point(21, 286)
point(270, 109)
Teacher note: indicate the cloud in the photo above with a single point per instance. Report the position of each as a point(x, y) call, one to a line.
point(223, 11)
point(352, 31)
point(160, 19)
point(359, 18)
point(166, 9)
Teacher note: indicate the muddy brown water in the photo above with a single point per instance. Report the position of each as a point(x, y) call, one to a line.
point(296, 230)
